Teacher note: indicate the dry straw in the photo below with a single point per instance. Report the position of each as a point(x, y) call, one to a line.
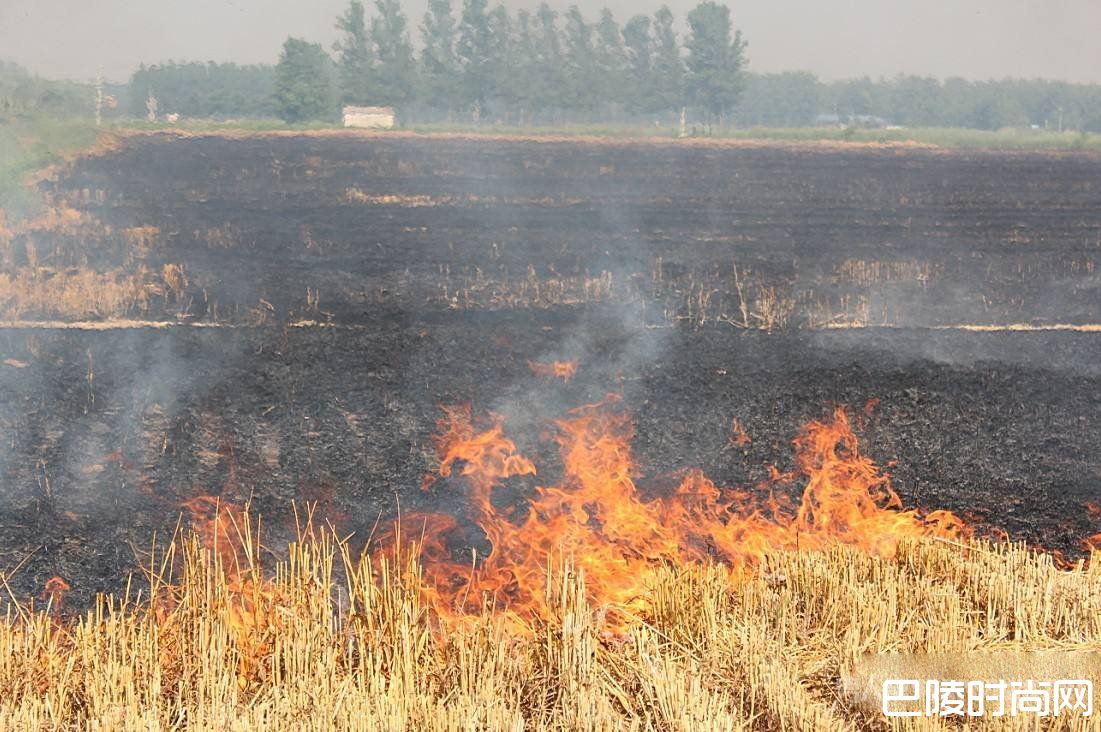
point(326, 640)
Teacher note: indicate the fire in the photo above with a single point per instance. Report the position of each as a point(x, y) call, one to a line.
point(1093, 543)
point(596, 516)
point(564, 370)
point(54, 592)
point(226, 530)
point(217, 524)
point(738, 436)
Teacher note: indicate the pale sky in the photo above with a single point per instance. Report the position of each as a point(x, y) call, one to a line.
point(976, 39)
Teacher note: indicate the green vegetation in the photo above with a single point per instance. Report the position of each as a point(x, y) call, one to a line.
point(714, 60)
point(303, 83)
point(541, 68)
point(544, 68)
point(204, 90)
point(30, 143)
point(949, 138)
point(22, 94)
point(946, 137)
point(799, 99)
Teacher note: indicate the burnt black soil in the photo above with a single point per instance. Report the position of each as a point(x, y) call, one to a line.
point(904, 236)
point(445, 265)
point(1001, 427)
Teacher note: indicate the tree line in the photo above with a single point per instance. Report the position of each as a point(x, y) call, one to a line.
point(546, 67)
point(527, 67)
point(25, 94)
point(798, 99)
point(473, 63)
point(214, 90)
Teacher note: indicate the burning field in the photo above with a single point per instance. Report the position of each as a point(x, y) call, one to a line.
point(439, 432)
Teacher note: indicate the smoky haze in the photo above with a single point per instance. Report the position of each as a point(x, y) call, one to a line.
point(975, 39)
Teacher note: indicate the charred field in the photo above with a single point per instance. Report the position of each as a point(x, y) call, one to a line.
point(305, 304)
point(278, 320)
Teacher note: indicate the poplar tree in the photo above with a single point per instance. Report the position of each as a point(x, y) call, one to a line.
point(474, 54)
point(355, 57)
point(715, 59)
point(439, 65)
point(667, 79)
point(395, 70)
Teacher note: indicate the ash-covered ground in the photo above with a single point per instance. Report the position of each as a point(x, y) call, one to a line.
point(348, 286)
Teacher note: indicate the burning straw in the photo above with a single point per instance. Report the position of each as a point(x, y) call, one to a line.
point(328, 640)
point(707, 609)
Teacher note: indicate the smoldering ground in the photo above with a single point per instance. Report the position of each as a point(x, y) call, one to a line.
point(435, 270)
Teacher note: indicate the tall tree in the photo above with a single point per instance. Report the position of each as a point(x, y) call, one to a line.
point(667, 90)
point(439, 64)
point(503, 60)
point(639, 47)
point(581, 92)
point(716, 58)
point(550, 75)
point(355, 55)
point(526, 72)
point(303, 83)
point(611, 60)
point(395, 75)
point(474, 54)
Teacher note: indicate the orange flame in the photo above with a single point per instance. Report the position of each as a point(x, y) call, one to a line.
point(54, 592)
point(217, 524)
point(225, 529)
point(738, 436)
point(1093, 543)
point(564, 370)
point(597, 517)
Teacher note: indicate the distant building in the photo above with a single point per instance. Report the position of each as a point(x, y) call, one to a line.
point(371, 117)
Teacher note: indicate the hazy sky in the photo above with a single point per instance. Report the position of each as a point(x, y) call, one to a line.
point(977, 39)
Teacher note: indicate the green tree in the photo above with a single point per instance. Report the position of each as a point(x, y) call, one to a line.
point(474, 54)
point(440, 72)
point(914, 101)
point(639, 47)
point(789, 99)
point(303, 82)
point(581, 91)
point(667, 79)
point(549, 72)
point(716, 57)
point(857, 98)
point(395, 71)
point(611, 60)
point(355, 55)
point(503, 59)
point(526, 78)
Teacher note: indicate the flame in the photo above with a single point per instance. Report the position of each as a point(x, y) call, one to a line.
point(216, 523)
point(1092, 543)
point(54, 592)
point(738, 436)
point(225, 530)
point(556, 369)
point(597, 517)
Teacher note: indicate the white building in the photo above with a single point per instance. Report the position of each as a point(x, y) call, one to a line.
point(372, 117)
